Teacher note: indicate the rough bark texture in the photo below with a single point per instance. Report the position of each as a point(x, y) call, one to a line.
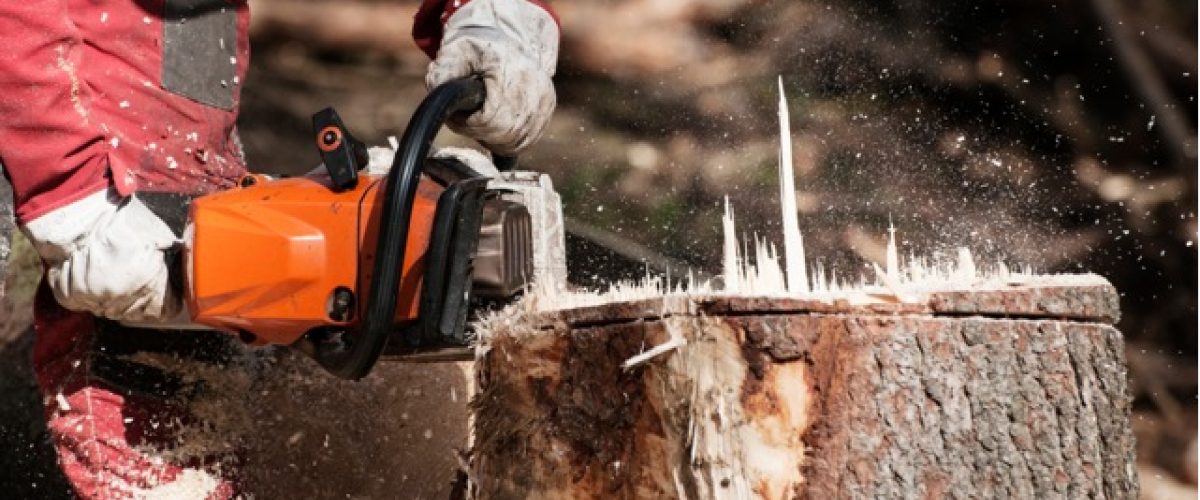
point(768, 398)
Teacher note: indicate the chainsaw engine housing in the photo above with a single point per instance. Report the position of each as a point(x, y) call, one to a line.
point(349, 266)
point(288, 261)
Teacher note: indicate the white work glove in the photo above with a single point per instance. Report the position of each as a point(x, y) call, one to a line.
point(513, 46)
point(106, 256)
point(477, 161)
point(381, 159)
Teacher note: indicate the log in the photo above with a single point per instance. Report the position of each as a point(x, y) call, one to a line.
point(1012, 392)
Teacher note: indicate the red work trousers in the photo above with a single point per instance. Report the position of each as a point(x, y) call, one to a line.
point(115, 424)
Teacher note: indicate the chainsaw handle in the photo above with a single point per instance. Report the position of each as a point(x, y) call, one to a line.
point(464, 95)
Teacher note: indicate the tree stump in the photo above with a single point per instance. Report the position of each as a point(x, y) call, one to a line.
point(1014, 392)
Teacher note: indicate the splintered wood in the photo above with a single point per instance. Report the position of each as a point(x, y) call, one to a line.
point(936, 379)
point(1011, 393)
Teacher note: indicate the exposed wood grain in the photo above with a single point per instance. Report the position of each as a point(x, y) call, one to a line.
point(1014, 393)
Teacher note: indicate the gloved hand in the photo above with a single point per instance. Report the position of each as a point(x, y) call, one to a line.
point(513, 46)
point(478, 162)
point(106, 256)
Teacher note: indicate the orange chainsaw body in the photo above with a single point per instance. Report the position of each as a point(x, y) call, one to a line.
point(266, 260)
point(347, 266)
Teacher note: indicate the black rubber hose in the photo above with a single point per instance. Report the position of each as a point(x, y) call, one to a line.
point(463, 95)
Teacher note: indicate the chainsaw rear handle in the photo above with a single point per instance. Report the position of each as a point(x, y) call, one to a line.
point(400, 190)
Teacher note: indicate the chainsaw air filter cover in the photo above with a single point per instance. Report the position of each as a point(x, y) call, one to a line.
point(278, 258)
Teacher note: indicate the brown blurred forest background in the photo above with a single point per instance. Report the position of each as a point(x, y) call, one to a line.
point(1060, 135)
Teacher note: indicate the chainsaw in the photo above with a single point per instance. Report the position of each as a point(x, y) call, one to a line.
point(351, 267)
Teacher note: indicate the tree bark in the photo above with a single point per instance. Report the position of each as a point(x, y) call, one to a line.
point(1010, 393)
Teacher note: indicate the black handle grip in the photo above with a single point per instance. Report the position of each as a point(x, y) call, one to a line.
point(365, 346)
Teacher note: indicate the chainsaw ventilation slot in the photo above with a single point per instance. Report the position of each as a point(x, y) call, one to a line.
point(504, 260)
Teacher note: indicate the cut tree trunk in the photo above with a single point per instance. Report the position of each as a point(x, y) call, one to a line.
point(1017, 392)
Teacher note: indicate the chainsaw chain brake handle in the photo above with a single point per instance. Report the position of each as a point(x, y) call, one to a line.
point(342, 154)
point(354, 354)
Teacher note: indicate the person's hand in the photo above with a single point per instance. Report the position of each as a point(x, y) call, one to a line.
point(107, 256)
point(513, 46)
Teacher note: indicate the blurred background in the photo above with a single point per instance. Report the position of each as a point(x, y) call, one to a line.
point(1059, 135)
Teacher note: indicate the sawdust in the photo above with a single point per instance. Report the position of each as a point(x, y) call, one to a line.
point(191, 484)
point(754, 267)
point(65, 65)
point(220, 428)
point(289, 430)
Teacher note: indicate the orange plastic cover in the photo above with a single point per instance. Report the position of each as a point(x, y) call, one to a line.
point(266, 259)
